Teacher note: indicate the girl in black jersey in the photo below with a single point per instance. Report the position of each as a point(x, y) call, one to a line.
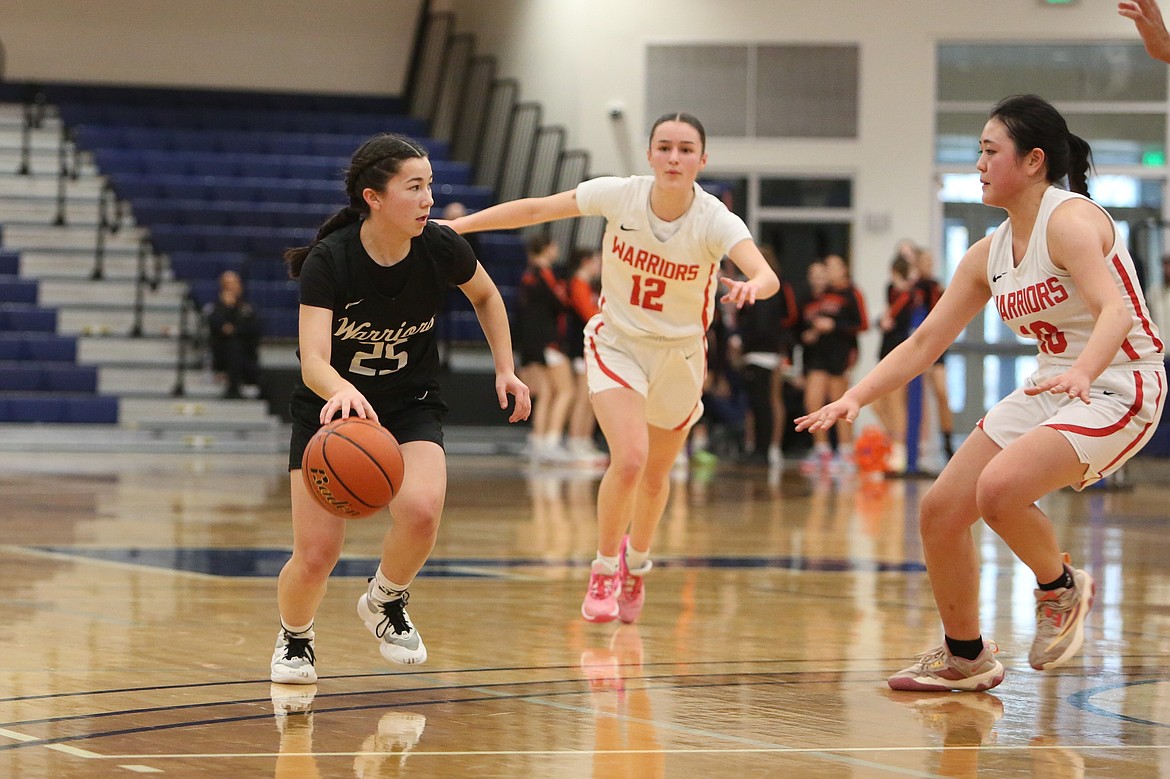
point(371, 286)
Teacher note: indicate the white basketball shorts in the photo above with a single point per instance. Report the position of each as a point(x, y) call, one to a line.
point(668, 373)
point(1126, 405)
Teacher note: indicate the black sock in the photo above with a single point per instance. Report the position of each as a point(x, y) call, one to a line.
point(968, 650)
point(1065, 580)
point(947, 446)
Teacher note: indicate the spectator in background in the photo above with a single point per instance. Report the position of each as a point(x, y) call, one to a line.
point(454, 210)
point(928, 291)
point(765, 333)
point(582, 289)
point(901, 298)
point(233, 330)
point(544, 367)
point(832, 321)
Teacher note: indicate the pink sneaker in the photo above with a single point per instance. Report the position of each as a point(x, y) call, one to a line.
point(632, 593)
point(601, 599)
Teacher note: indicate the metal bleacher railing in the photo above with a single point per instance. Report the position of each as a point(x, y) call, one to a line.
point(511, 151)
point(161, 157)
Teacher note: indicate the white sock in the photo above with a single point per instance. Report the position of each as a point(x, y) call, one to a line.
point(383, 590)
point(298, 630)
point(635, 559)
point(610, 563)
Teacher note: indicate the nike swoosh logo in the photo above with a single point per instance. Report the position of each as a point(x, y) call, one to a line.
point(627, 229)
point(998, 276)
point(689, 356)
point(1107, 392)
point(347, 305)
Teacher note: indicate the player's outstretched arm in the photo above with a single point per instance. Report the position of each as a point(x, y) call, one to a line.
point(519, 213)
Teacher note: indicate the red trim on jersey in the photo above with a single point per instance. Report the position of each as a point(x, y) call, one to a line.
point(707, 296)
point(1101, 432)
point(1137, 303)
point(1130, 352)
point(1141, 435)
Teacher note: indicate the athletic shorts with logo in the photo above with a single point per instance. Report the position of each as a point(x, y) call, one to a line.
point(1126, 405)
point(667, 372)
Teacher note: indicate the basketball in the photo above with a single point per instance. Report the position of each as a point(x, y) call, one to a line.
point(353, 467)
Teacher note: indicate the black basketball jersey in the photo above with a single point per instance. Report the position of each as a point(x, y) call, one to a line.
point(384, 338)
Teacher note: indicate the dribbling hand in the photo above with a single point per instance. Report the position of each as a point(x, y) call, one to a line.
point(347, 401)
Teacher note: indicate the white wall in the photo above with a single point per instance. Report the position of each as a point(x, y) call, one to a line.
point(577, 57)
point(340, 46)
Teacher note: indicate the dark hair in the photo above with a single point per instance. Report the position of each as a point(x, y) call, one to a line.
point(1033, 123)
point(537, 244)
point(372, 165)
point(900, 266)
point(679, 116)
point(578, 256)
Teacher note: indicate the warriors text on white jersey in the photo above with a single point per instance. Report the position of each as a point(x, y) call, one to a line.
point(1038, 300)
point(652, 287)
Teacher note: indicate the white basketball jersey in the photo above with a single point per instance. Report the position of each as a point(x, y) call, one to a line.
point(651, 287)
point(1038, 300)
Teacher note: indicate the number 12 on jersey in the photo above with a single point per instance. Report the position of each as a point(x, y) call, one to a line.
point(646, 292)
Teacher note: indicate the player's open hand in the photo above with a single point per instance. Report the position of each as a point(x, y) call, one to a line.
point(827, 416)
point(508, 384)
point(1073, 383)
point(1148, 18)
point(741, 293)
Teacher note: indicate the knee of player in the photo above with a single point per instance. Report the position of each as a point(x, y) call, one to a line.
point(939, 513)
point(627, 463)
point(418, 515)
point(316, 561)
point(998, 496)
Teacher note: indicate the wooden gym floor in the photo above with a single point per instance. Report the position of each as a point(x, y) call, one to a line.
point(139, 615)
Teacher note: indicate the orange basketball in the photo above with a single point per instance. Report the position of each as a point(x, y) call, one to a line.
point(353, 467)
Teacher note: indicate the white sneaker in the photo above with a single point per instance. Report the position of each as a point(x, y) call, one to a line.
point(294, 660)
point(775, 456)
point(389, 622)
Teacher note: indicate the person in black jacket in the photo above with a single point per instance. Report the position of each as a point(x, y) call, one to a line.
point(765, 333)
point(832, 321)
point(233, 333)
point(372, 285)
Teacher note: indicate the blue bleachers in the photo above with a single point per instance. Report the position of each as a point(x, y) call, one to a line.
point(23, 317)
point(182, 139)
point(226, 182)
point(14, 289)
point(58, 408)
